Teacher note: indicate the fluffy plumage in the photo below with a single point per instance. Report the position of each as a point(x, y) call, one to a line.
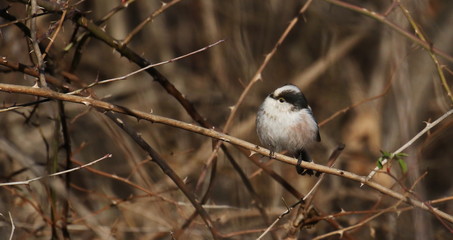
point(285, 122)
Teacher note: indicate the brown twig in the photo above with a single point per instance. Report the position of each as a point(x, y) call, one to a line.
point(150, 18)
point(110, 80)
point(383, 19)
point(68, 154)
point(55, 34)
point(371, 211)
point(19, 67)
point(111, 13)
point(368, 219)
point(344, 110)
point(67, 171)
point(34, 42)
point(137, 59)
point(13, 227)
point(306, 200)
point(256, 199)
point(410, 142)
point(433, 56)
point(257, 76)
point(167, 170)
point(254, 79)
point(52, 6)
point(16, 21)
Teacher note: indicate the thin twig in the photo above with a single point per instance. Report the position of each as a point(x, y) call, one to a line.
point(68, 155)
point(217, 135)
point(248, 185)
point(126, 181)
point(36, 49)
point(146, 68)
point(123, 5)
point(383, 19)
point(18, 106)
point(347, 213)
point(139, 27)
point(363, 222)
point(27, 182)
point(257, 76)
point(410, 142)
point(13, 227)
point(433, 56)
point(332, 159)
point(15, 66)
point(22, 19)
point(55, 34)
point(100, 34)
point(288, 210)
point(254, 79)
point(166, 169)
point(344, 110)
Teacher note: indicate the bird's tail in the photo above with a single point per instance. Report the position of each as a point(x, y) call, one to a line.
point(302, 155)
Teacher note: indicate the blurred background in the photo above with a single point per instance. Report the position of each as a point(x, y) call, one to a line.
point(338, 57)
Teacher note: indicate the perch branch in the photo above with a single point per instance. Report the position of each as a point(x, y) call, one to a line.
point(219, 136)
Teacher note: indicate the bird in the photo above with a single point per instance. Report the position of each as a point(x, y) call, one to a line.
point(285, 121)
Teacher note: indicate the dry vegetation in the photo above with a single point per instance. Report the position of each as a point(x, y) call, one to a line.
point(374, 72)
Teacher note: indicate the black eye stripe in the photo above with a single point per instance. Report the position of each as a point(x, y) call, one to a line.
point(295, 98)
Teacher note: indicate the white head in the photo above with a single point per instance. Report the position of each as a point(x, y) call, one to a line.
point(285, 99)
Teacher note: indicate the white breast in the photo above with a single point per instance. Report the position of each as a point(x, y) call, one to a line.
point(280, 128)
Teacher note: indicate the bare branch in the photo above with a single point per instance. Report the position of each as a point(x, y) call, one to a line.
point(410, 142)
point(146, 68)
point(219, 136)
point(13, 227)
point(27, 182)
point(382, 19)
point(433, 56)
point(34, 41)
point(139, 27)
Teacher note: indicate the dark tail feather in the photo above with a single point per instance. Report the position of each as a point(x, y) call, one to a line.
point(302, 155)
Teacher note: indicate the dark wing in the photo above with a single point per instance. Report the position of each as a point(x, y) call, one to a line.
point(318, 137)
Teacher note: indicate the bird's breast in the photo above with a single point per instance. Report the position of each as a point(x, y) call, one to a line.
point(290, 131)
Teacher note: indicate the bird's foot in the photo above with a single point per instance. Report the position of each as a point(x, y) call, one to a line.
point(272, 154)
point(302, 171)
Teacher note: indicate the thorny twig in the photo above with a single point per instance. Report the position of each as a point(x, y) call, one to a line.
point(99, 82)
point(150, 18)
point(410, 142)
point(433, 56)
point(363, 222)
point(332, 159)
point(34, 42)
point(27, 182)
point(217, 135)
point(383, 19)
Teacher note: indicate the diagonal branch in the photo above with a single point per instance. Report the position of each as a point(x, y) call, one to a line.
point(381, 18)
point(410, 142)
point(166, 169)
point(150, 18)
point(27, 182)
point(34, 42)
point(219, 136)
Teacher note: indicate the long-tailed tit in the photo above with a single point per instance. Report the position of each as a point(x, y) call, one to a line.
point(285, 122)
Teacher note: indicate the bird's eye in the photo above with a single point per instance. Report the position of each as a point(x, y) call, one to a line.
point(281, 99)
